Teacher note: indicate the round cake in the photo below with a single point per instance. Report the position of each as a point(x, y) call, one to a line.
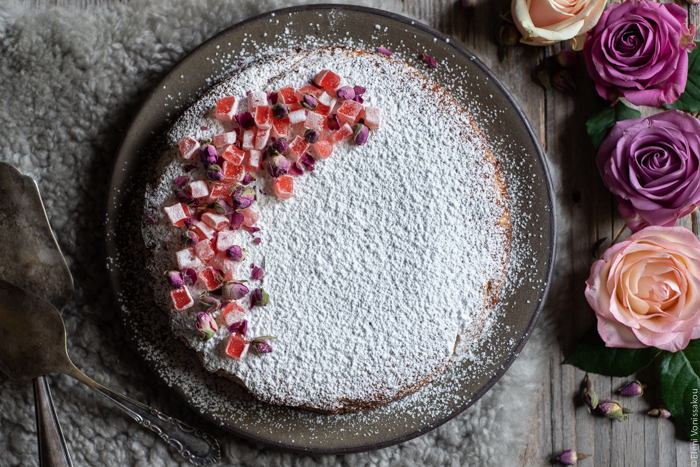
point(381, 269)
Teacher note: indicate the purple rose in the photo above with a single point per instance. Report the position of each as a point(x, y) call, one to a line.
point(652, 165)
point(639, 50)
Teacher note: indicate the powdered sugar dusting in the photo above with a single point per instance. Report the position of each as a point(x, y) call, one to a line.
point(380, 260)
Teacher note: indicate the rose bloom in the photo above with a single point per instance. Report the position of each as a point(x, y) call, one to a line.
point(639, 50)
point(544, 22)
point(646, 290)
point(652, 165)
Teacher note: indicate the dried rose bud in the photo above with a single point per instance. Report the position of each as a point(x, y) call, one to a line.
point(206, 325)
point(308, 102)
point(247, 179)
point(271, 96)
point(568, 457)
point(208, 155)
point(311, 136)
point(260, 346)
point(219, 275)
point(175, 279)
point(563, 81)
point(257, 273)
point(190, 276)
point(361, 133)
point(545, 78)
point(432, 63)
point(611, 409)
point(184, 196)
point(214, 173)
point(567, 58)
point(281, 145)
point(189, 238)
point(242, 198)
point(278, 165)
point(632, 389)
point(384, 51)
point(333, 122)
point(259, 298)
point(240, 327)
point(508, 34)
point(234, 291)
point(245, 120)
point(280, 111)
point(189, 222)
point(235, 253)
point(209, 303)
point(664, 413)
point(653, 412)
point(237, 219)
point(223, 208)
point(590, 399)
point(346, 92)
point(181, 181)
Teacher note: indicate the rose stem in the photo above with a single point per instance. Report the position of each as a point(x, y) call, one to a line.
point(619, 232)
point(694, 222)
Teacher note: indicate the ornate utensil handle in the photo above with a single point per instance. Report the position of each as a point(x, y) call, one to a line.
point(195, 445)
point(52, 446)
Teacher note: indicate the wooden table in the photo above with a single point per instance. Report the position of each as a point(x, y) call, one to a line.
point(590, 213)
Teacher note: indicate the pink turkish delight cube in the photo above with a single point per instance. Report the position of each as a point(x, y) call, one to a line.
point(248, 140)
point(188, 147)
point(231, 313)
point(287, 94)
point(261, 139)
point(215, 221)
point(322, 149)
point(199, 189)
point(280, 128)
point(226, 108)
point(221, 189)
point(237, 346)
point(284, 187)
point(226, 239)
point(328, 80)
point(223, 139)
point(203, 231)
point(230, 268)
point(297, 147)
point(208, 278)
point(372, 116)
point(253, 159)
point(177, 213)
point(255, 99)
point(316, 121)
point(181, 298)
point(344, 133)
point(232, 171)
point(187, 259)
point(297, 116)
point(250, 217)
point(349, 112)
point(263, 117)
point(233, 155)
point(204, 249)
point(308, 89)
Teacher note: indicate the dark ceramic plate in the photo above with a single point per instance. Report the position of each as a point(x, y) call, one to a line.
point(495, 112)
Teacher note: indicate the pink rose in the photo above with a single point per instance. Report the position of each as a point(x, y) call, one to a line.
point(639, 50)
point(544, 22)
point(646, 290)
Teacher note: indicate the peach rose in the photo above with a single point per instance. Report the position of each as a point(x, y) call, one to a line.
point(544, 22)
point(646, 290)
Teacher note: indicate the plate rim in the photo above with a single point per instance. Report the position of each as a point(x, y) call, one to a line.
point(112, 215)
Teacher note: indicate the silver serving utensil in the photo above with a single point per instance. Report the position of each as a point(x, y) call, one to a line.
point(30, 258)
point(33, 343)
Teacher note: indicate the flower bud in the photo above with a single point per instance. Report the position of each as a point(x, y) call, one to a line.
point(208, 155)
point(206, 325)
point(259, 298)
point(243, 198)
point(563, 81)
point(235, 253)
point(346, 92)
point(175, 279)
point(590, 398)
point(214, 173)
point(664, 413)
point(611, 409)
point(189, 238)
point(209, 303)
point(234, 291)
point(190, 276)
point(223, 208)
point(545, 78)
point(281, 145)
point(184, 196)
point(633, 389)
point(508, 34)
point(568, 457)
point(567, 58)
point(311, 136)
point(260, 346)
point(245, 120)
point(361, 133)
point(278, 165)
point(280, 111)
point(308, 102)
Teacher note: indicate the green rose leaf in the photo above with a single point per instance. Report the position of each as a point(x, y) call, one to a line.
point(590, 354)
point(680, 387)
point(690, 99)
point(603, 118)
